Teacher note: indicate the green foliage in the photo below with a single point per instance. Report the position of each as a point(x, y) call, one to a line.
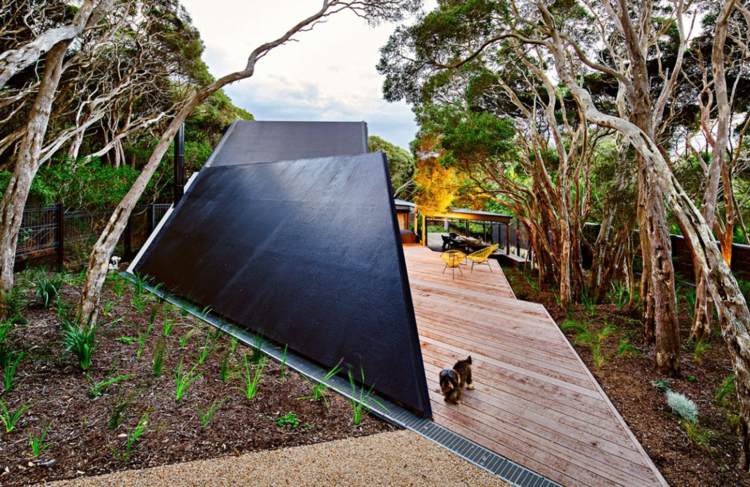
point(135, 435)
point(117, 416)
point(726, 391)
point(10, 418)
point(157, 362)
point(400, 162)
point(252, 377)
point(283, 366)
point(662, 385)
point(290, 419)
point(619, 294)
point(184, 339)
point(46, 287)
point(593, 340)
point(166, 327)
point(37, 443)
point(9, 361)
point(699, 348)
point(698, 435)
point(626, 349)
point(319, 390)
point(360, 397)
point(183, 379)
point(207, 415)
point(682, 406)
point(206, 350)
point(80, 341)
point(99, 388)
point(15, 302)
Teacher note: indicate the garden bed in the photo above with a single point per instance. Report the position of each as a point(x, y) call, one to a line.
point(624, 366)
point(88, 435)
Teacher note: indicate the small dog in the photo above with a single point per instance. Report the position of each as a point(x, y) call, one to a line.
point(452, 381)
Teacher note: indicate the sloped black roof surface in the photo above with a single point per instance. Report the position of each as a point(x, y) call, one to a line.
point(248, 142)
point(306, 252)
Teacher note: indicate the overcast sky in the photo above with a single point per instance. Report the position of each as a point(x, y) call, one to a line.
point(328, 75)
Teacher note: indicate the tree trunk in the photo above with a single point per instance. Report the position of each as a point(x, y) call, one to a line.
point(27, 165)
point(646, 291)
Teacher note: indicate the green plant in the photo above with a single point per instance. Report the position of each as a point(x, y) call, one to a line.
point(118, 284)
point(626, 349)
point(14, 304)
point(587, 301)
point(80, 341)
point(690, 298)
point(166, 327)
point(699, 348)
point(225, 370)
point(184, 339)
point(117, 415)
point(593, 340)
point(252, 377)
point(6, 327)
point(10, 361)
point(10, 418)
point(157, 363)
point(135, 435)
point(127, 340)
point(691, 378)
point(107, 308)
point(662, 385)
point(183, 380)
point(46, 288)
point(360, 397)
point(141, 339)
point(283, 366)
point(206, 349)
point(37, 443)
point(619, 294)
point(98, 388)
point(320, 389)
point(289, 419)
point(726, 390)
point(682, 406)
point(257, 349)
point(209, 413)
point(698, 435)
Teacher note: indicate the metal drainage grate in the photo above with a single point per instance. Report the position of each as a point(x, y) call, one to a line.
point(480, 456)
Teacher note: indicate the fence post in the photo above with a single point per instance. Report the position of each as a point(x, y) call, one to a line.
point(507, 238)
point(518, 242)
point(60, 228)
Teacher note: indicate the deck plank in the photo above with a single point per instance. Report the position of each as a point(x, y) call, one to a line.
point(535, 401)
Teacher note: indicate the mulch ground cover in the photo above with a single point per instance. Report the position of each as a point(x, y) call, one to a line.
point(88, 435)
point(626, 372)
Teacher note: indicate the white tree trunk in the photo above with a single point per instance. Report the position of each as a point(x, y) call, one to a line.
point(27, 165)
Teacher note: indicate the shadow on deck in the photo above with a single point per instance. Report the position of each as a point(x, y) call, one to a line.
point(535, 401)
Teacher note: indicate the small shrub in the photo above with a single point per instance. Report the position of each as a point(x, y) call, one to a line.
point(80, 341)
point(682, 406)
point(290, 419)
point(99, 388)
point(15, 302)
point(592, 340)
point(117, 415)
point(46, 288)
point(726, 391)
point(208, 414)
point(252, 377)
point(662, 385)
point(626, 349)
point(166, 327)
point(37, 443)
point(360, 398)
point(698, 435)
point(9, 361)
point(183, 380)
point(699, 349)
point(10, 418)
point(6, 327)
point(135, 435)
point(157, 363)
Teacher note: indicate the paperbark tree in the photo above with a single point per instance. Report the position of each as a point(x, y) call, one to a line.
point(372, 10)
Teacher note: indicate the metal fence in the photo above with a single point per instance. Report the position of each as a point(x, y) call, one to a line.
point(66, 236)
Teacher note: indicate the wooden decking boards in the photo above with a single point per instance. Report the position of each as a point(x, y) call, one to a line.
point(535, 401)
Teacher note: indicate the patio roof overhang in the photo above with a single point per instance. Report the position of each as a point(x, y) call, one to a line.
point(474, 215)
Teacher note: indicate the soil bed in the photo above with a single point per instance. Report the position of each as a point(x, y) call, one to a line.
point(87, 436)
point(627, 376)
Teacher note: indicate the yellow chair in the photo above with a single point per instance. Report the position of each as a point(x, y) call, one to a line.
point(453, 260)
point(482, 256)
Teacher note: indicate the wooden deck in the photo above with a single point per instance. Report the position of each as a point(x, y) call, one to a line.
point(535, 401)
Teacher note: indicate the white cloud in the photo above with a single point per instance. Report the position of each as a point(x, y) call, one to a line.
point(328, 75)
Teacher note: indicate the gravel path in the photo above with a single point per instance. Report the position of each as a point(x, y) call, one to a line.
point(394, 458)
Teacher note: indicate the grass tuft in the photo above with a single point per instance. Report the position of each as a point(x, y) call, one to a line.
point(207, 415)
point(10, 418)
point(99, 388)
point(252, 376)
point(183, 380)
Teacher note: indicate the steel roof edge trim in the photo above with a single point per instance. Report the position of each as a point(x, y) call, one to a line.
point(223, 140)
point(498, 465)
